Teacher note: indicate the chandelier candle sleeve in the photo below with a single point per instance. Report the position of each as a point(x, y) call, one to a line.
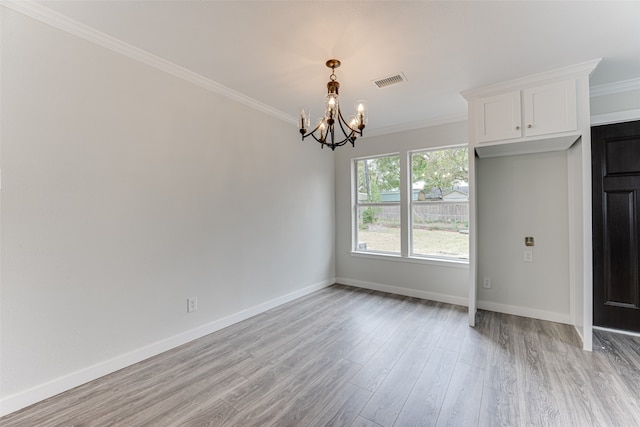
point(305, 119)
point(361, 113)
point(325, 131)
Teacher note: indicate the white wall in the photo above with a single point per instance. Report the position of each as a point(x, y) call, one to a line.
point(126, 190)
point(518, 196)
point(438, 282)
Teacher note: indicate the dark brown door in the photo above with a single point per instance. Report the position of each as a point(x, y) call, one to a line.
point(616, 225)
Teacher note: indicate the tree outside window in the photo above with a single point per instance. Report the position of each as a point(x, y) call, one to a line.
point(438, 204)
point(378, 204)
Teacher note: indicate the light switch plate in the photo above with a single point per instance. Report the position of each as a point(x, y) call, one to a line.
point(528, 256)
point(192, 304)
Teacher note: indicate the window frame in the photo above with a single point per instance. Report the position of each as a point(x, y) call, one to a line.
point(406, 224)
point(413, 203)
point(357, 205)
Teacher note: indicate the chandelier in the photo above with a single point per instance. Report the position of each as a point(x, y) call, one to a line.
point(333, 122)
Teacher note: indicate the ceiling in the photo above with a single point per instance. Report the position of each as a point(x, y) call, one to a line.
point(274, 51)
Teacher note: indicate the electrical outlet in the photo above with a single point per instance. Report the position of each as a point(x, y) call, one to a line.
point(528, 256)
point(487, 283)
point(192, 304)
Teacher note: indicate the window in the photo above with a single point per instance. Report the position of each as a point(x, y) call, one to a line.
point(434, 200)
point(378, 204)
point(440, 203)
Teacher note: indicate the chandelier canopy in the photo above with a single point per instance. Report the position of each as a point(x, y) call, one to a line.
point(326, 129)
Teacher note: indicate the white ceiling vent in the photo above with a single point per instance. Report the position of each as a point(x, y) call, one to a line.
point(390, 80)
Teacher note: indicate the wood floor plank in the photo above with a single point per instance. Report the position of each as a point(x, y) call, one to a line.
point(217, 414)
point(344, 407)
point(455, 329)
point(386, 404)
point(538, 405)
point(572, 396)
point(344, 356)
point(477, 343)
point(501, 364)
point(178, 404)
point(499, 409)
point(363, 422)
point(461, 405)
point(425, 400)
point(622, 359)
point(378, 367)
point(276, 404)
point(307, 404)
point(380, 330)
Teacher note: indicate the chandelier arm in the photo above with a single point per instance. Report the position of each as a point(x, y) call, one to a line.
point(321, 141)
point(331, 131)
point(343, 123)
point(311, 133)
point(352, 135)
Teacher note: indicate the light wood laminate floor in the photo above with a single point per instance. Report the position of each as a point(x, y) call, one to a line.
point(350, 357)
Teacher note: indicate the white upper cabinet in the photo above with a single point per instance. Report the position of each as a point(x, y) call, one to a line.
point(524, 113)
point(499, 117)
point(550, 108)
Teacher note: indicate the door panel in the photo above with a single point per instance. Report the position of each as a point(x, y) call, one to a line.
point(616, 222)
point(619, 256)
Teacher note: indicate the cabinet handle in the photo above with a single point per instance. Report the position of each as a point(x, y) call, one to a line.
point(529, 126)
point(517, 127)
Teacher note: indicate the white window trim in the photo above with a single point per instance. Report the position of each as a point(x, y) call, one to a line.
point(355, 205)
point(406, 204)
point(440, 262)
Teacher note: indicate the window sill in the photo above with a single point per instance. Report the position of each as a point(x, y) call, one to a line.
point(413, 259)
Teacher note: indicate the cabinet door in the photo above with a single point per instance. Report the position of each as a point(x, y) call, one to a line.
point(550, 108)
point(498, 117)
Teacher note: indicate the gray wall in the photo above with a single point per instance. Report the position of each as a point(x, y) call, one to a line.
point(518, 196)
point(126, 190)
point(437, 280)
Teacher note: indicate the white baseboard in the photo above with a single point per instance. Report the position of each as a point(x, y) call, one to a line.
point(449, 299)
point(533, 313)
point(36, 394)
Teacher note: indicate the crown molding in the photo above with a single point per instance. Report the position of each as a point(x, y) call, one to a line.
point(617, 87)
point(615, 117)
point(64, 23)
point(582, 69)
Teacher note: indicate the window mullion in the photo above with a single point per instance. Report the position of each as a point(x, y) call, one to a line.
point(405, 200)
point(354, 205)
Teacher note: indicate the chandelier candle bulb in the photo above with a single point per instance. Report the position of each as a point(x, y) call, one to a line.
point(305, 118)
point(321, 127)
point(353, 122)
point(361, 110)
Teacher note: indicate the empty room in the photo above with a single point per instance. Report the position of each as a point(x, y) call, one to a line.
point(314, 213)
